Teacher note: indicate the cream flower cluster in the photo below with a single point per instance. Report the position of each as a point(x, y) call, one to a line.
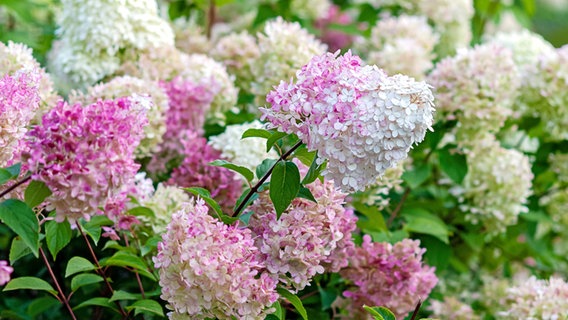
point(312, 9)
point(284, 48)
point(247, 152)
point(211, 270)
point(452, 308)
point(403, 44)
point(163, 202)
point(496, 187)
point(477, 87)
point(126, 86)
point(360, 120)
point(92, 34)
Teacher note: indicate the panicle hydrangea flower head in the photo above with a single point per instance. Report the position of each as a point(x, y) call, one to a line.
point(308, 238)
point(126, 86)
point(452, 308)
point(238, 52)
point(358, 119)
point(163, 202)
point(189, 36)
point(211, 270)
point(19, 100)
point(477, 87)
point(403, 44)
point(247, 152)
point(556, 205)
point(195, 171)
point(495, 190)
point(559, 165)
point(389, 275)
point(335, 39)
point(284, 48)
point(16, 56)
point(537, 299)
point(84, 154)
point(311, 10)
point(93, 32)
point(5, 272)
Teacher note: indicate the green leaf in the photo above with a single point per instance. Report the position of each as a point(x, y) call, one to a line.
point(78, 264)
point(245, 172)
point(18, 250)
point(242, 198)
point(31, 283)
point(23, 221)
point(39, 305)
point(263, 168)
point(123, 295)
point(125, 259)
point(279, 313)
point(9, 173)
point(93, 226)
point(294, 300)
point(453, 164)
point(84, 279)
point(421, 221)
point(380, 313)
point(437, 253)
point(256, 133)
point(142, 211)
point(373, 220)
point(273, 139)
point(304, 155)
point(5, 175)
point(35, 193)
point(327, 297)
point(284, 185)
point(417, 176)
point(206, 196)
point(98, 301)
point(57, 235)
point(314, 171)
point(146, 306)
point(305, 193)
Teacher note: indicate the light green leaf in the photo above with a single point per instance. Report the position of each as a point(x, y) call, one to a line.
point(313, 172)
point(245, 172)
point(23, 221)
point(256, 133)
point(57, 235)
point(18, 250)
point(417, 176)
point(373, 220)
point(93, 227)
point(142, 211)
point(125, 259)
point(84, 279)
point(123, 295)
point(284, 185)
point(263, 168)
point(380, 313)
point(206, 196)
point(294, 300)
point(78, 264)
point(421, 221)
point(146, 306)
point(30, 283)
point(35, 193)
point(98, 301)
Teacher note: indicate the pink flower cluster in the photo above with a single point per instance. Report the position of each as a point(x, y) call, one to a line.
point(5, 272)
point(211, 270)
point(195, 171)
point(389, 275)
point(359, 119)
point(309, 238)
point(84, 154)
point(19, 100)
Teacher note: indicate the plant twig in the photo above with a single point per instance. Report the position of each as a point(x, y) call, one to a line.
point(254, 189)
point(14, 186)
point(63, 298)
point(399, 206)
point(210, 18)
point(135, 271)
point(415, 313)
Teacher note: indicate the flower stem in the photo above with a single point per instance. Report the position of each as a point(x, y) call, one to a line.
point(254, 189)
point(14, 186)
point(415, 313)
point(135, 272)
point(63, 299)
point(210, 18)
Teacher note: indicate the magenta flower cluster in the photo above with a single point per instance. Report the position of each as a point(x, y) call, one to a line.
point(19, 100)
point(308, 239)
point(389, 275)
point(212, 270)
point(359, 119)
point(84, 154)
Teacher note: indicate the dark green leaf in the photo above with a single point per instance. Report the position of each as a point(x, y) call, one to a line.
point(245, 172)
point(39, 305)
point(23, 221)
point(294, 300)
point(5, 175)
point(93, 227)
point(146, 306)
point(31, 283)
point(263, 168)
point(313, 172)
point(305, 193)
point(78, 264)
point(126, 259)
point(35, 193)
point(242, 198)
point(57, 235)
point(99, 301)
point(284, 185)
point(327, 298)
point(417, 176)
point(453, 164)
point(273, 139)
point(245, 217)
point(258, 133)
point(437, 253)
point(84, 279)
point(18, 250)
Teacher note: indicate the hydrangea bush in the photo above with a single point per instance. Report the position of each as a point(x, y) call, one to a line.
point(400, 159)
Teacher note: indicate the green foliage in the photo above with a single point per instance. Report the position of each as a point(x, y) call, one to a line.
point(23, 221)
point(29, 283)
point(294, 300)
point(57, 235)
point(284, 185)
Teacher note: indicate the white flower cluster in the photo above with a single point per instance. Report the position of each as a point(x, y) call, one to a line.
point(163, 202)
point(126, 86)
point(189, 36)
point(247, 152)
point(452, 308)
point(312, 9)
point(495, 190)
point(403, 44)
point(91, 34)
point(284, 48)
point(477, 87)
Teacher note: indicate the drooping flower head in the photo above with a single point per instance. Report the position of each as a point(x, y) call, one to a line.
point(84, 154)
point(211, 270)
point(388, 275)
point(359, 119)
